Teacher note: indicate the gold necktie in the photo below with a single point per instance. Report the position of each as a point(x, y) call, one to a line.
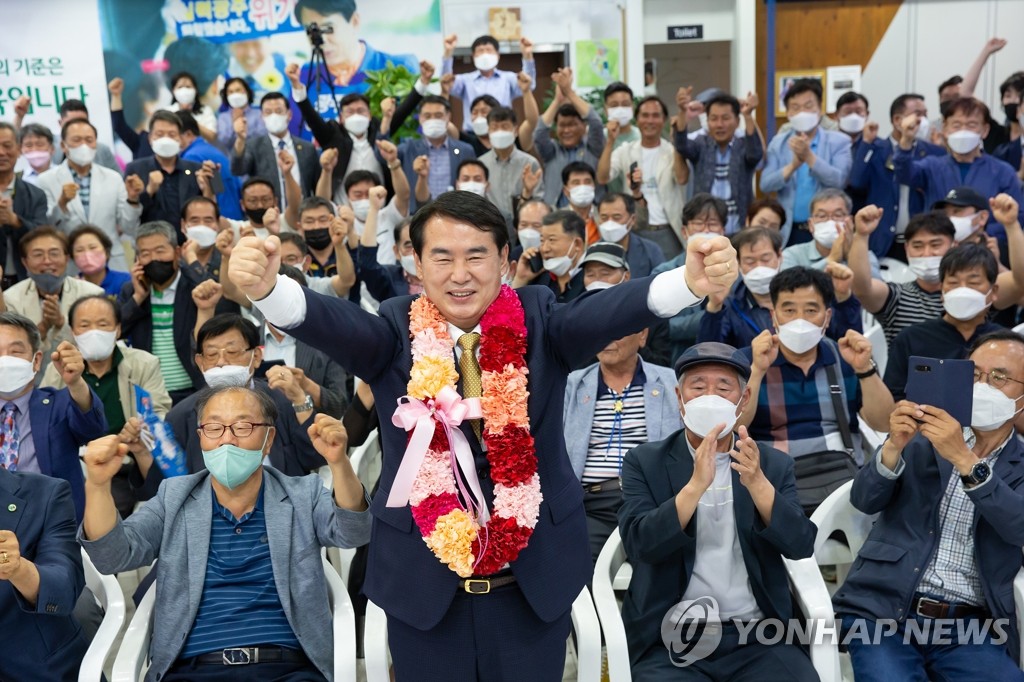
point(469, 369)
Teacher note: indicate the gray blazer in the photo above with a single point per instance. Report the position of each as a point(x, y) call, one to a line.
point(175, 526)
point(661, 408)
point(259, 159)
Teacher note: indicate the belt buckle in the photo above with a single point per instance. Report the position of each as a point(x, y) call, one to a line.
point(484, 586)
point(925, 600)
point(238, 656)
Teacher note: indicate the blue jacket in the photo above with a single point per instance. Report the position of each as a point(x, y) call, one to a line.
point(410, 148)
point(663, 554)
point(59, 428)
point(230, 200)
point(874, 174)
point(936, 175)
point(661, 409)
point(45, 641)
point(830, 170)
point(382, 281)
point(889, 566)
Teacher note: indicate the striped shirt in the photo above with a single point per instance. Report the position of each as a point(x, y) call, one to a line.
point(240, 605)
point(84, 183)
point(162, 305)
point(907, 304)
point(619, 426)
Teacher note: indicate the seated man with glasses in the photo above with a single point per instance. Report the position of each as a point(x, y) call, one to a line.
point(242, 594)
point(831, 225)
point(942, 556)
point(229, 354)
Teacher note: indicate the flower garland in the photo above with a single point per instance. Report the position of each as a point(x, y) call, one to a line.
point(453, 532)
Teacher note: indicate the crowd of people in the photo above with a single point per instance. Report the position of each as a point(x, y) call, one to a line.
point(703, 313)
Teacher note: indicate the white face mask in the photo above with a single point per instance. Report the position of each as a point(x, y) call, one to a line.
point(185, 96)
point(805, 121)
point(581, 195)
point(704, 413)
point(559, 265)
point(479, 125)
point(165, 147)
point(800, 335)
point(852, 123)
point(502, 139)
point(924, 130)
point(82, 155)
point(925, 268)
point(621, 115)
point(529, 238)
point(434, 128)
point(612, 231)
point(963, 141)
point(759, 279)
point(202, 235)
point(238, 100)
point(478, 188)
point(357, 124)
point(361, 207)
point(826, 233)
point(409, 264)
point(96, 344)
point(992, 408)
point(964, 303)
point(275, 123)
point(229, 375)
point(486, 61)
point(598, 284)
point(702, 118)
point(15, 375)
point(963, 226)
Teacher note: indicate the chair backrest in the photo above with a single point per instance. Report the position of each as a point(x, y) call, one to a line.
point(879, 347)
point(109, 596)
point(133, 656)
point(343, 617)
point(610, 564)
point(836, 513)
point(895, 271)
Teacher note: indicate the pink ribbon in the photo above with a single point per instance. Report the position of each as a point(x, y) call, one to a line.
point(449, 410)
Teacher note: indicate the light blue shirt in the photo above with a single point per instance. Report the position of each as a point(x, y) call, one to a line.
point(806, 186)
point(501, 85)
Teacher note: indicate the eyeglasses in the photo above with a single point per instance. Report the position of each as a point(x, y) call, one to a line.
point(231, 355)
point(322, 220)
point(213, 431)
point(995, 378)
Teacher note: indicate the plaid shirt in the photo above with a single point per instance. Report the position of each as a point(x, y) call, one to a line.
point(84, 183)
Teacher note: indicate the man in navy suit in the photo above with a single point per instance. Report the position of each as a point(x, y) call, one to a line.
point(441, 627)
point(946, 546)
point(41, 429)
point(40, 579)
point(709, 514)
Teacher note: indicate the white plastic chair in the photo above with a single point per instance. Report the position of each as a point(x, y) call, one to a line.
point(895, 271)
point(584, 622)
point(133, 657)
point(1018, 602)
point(805, 581)
point(109, 596)
point(836, 513)
point(879, 346)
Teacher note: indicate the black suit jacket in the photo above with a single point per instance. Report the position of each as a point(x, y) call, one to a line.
point(556, 564)
point(662, 553)
point(259, 159)
point(162, 206)
point(29, 204)
point(329, 375)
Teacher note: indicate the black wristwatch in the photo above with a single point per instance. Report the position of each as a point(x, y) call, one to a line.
point(871, 372)
point(979, 474)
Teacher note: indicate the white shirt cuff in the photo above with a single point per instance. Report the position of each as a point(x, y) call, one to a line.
point(299, 93)
point(669, 294)
point(420, 87)
point(884, 470)
point(285, 306)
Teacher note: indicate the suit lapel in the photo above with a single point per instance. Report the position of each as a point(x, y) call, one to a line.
point(198, 511)
point(40, 408)
point(679, 463)
point(300, 156)
point(278, 517)
point(11, 506)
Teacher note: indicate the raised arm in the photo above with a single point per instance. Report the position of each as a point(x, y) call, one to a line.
point(531, 112)
point(399, 181)
point(1011, 283)
point(322, 131)
point(325, 184)
point(970, 83)
point(872, 293)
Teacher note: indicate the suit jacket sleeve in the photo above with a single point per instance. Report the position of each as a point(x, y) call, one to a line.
point(337, 527)
point(139, 168)
point(57, 556)
point(403, 111)
point(871, 491)
point(325, 133)
point(753, 150)
point(832, 172)
point(778, 156)
point(687, 148)
point(124, 131)
point(595, 133)
point(88, 425)
point(909, 170)
point(31, 209)
point(859, 171)
point(714, 327)
point(650, 531)
point(896, 368)
point(127, 214)
point(373, 274)
point(131, 312)
point(332, 389)
point(790, 531)
point(132, 543)
point(244, 163)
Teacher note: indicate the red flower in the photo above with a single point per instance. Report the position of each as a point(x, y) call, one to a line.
point(439, 442)
point(502, 346)
point(427, 512)
point(501, 544)
point(511, 455)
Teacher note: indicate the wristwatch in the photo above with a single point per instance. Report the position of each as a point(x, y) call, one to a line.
point(305, 406)
point(979, 474)
point(870, 373)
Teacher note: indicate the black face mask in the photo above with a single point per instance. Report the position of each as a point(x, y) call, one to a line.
point(1011, 111)
point(944, 108)
point(256, 215)
point(318, 239)
point(159, 271)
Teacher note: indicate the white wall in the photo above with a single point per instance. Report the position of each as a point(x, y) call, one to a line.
point(930, 40)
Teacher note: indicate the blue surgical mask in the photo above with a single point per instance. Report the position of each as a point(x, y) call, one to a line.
point(232, 465)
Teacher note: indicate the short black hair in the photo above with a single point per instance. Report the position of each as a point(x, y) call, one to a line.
point(752, 235)
point(116, 309)
point(271, 96)
point(489, 100)
point(188, 123)
point(950, 82)
point(345, 8)
point(484, 40)
point(802, 85)
point(354, 97)
point(9, 318)
point(357, 176)
point(703, 202)
point(571, 222)
point(651, 98)
point(267, 407)
point(967, 256)
point(166, 117)
point(199, 58)
point(1015, 80)
point(473, 162)
point(578, 167)
point(567, 110)
point(501, 114)
point(200, 199)
point(851, 97)
point(772, 205)
point(257, 180)
point(241, 81)
point(82, 230)
point(310, 203)
point(724, 99)
point(76, 121)
point(998, 335)
point(612, 197)
point(40, 232)
point(222, 324)
point(436, 99)
point(899, 105)
point(37, 130)
point(396, 231)
point(932, 222)
point(296, 239)
point(799, 277)
point(617, 86)
point(70, 105)
point(465, 207)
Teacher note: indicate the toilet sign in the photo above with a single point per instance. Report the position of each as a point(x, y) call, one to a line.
point(691, 32)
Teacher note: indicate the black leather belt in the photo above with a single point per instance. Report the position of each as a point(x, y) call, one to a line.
point(255, 654)
point(933, 608)
point(603, 486)
point(485, 585)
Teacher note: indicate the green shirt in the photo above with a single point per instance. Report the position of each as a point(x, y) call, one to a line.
point(175, 376)
point(106, 389)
